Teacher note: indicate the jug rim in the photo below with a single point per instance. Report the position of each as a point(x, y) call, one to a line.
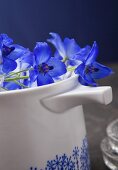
point(44, 87)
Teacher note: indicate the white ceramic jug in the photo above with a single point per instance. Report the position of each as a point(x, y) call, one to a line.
point(43, 128)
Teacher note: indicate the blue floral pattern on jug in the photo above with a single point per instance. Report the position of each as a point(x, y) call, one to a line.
point(79, 160)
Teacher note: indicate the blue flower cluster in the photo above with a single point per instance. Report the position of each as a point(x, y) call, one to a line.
point(79, 160)
point(20, 68)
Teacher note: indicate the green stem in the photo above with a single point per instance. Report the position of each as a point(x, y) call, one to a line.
point(20, 84)
point(14, 73)
point(3, 88)
point(16, 78)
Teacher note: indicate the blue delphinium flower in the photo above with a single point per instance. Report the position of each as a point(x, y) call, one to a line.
point(9, 52)
point(24, 63)
point(46, 67)
point(21, 68)
point(68, 50)
point(18, 59)
point(90, 70)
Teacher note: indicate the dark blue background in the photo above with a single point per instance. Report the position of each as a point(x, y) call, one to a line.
point(28, 21)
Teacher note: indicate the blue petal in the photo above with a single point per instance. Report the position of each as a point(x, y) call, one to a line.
point(8, 65)
point(17, 52)
point(33, 75)
point(82, 81)
point(11, 86)
point(92, 54)
point(102, 72)
point(58, 44)
point(27, 60)
point(88, 79)
point(85, 78)
point(83, 53)
point(44, 79)
point(80, 69)
point(71, 47)
point(4, 39)
point(42, 53)
point(1, 71)
point(72, 62)
point(1, 57)
point(57, 55)
point(27, 82)
point(59, 67)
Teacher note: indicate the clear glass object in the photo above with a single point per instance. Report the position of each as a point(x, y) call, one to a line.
point(112, 133)
point(110, 157)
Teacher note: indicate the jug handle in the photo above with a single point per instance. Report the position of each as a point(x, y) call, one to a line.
point(78, 96)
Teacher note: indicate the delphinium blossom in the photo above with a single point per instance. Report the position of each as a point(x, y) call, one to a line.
point(9, 53)
point(90, 70)
point(12, 55)
point(20, 76)
point(46, 67)
point(68, 50)
point(21, 68)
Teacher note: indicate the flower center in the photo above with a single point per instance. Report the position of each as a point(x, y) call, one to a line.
point(44, 68)
point(89, 69)
point(6, 50)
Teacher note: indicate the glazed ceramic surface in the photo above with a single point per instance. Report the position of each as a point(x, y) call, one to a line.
point(43, 128)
